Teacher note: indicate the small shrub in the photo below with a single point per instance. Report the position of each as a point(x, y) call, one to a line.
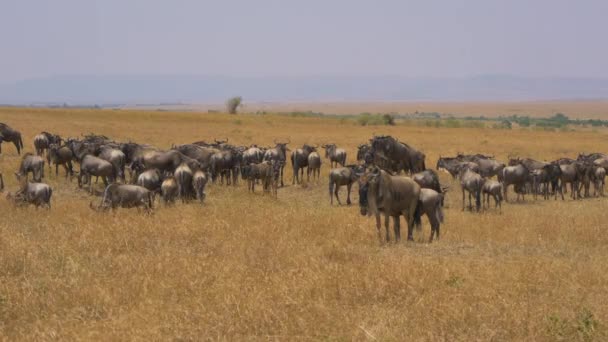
point(233, 104)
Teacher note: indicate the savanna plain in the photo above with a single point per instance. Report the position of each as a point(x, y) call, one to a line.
point(251, 267)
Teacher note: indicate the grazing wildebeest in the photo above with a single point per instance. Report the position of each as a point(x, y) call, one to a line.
point(428, 179)
point(199, 181)
point(471, 182)
point(494, 189)
point(61, 155)
point(9, 134)
point(116, 157)
point(393, 196)
point(151, 179)
point(314, 166)
point(43, 141)
point(169, 190)
point(343, 176)
point(125, 196)
point(299, 160)
point(260, 171)
point(94, 166)
point(336, 155)
point(38, 194)
point(431, 205)
point(517, 175)
point(31, 163)
point(279, 154)
point(409, 159)
point(183, 176)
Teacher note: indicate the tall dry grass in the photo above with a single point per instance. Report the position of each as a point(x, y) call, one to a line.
point(249, 267)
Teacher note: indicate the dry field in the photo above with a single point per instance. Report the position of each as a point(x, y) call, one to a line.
point(249, 267)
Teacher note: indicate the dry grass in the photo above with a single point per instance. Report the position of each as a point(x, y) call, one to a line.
point(248, 267)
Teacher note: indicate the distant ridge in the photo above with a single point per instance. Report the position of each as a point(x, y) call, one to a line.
point(130, 89)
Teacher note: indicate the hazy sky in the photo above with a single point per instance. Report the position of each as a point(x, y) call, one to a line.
point(450, 38)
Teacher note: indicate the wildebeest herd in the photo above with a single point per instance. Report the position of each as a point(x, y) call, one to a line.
point(392, 176)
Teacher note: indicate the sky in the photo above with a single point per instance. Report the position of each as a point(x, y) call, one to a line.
point(536, 38)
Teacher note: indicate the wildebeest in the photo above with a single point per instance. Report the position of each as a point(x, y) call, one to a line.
point(343, 176)
point(226, 163)
point(199, 181)
point(260, 171)
point(253, 154)
point(299, 160)
point(165, 161)
point(431, 205)
point(492, 188)
point(471, 182)
point(599, 181)
point(169, 190)
point(116, 157)
point(364, 153)
point(150, 179)
point(279, 154)
point(38, 194)
point(529, 163)
point(31, 163)
point(570, 174)
point(43, 141)
point(183, 176)
point(314, 166)
point(61, 155)
point(94, 166)
point(9, 134)
point(516, 174)
point(336, 155)
point(200, 153)
point(125, 196)
point(409, 159)
point(393, 196)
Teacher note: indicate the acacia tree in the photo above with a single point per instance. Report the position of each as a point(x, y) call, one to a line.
point(232, 104)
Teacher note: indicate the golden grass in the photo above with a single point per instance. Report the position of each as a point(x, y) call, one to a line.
point(249, 267)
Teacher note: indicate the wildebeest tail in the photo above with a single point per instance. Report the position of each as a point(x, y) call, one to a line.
point(478, 198)
point(418, 215)
point(20, 141)
point(439, 210)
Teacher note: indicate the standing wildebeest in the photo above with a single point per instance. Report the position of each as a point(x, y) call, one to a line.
point(336, 155)
point(471, 182)
point(279, 154)
point(393, 196)
point(183, 176)
point(364, 153)
point(494, 189)
point(529, 163)
point(516, 174)
point(430, 204)
point(260, 171)
point(38, 194)
point(570, 173)
point(165, 161)
point(9, 134)
point(199, 181)
point(202, 154)
point(409, 159)
point(116, 157)
point(43, 141)
point(169, 190)
point(151, 180)
point(226, 163)
point(253, 154)
point(299, 160)
point(125, 196)
point(31, 163)
point(599, 181)
point(61, 155)
point(94, 166)
point(314, 166)
point(343, 176)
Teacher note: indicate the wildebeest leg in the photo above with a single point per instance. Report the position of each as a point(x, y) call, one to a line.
point(348, 187)
point(470, 202)
point(336, 193)
point(282, 169)
point(463, 201)
point(386, 226)
point(397, 228)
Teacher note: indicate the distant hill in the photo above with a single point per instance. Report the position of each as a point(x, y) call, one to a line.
point(155, 89)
